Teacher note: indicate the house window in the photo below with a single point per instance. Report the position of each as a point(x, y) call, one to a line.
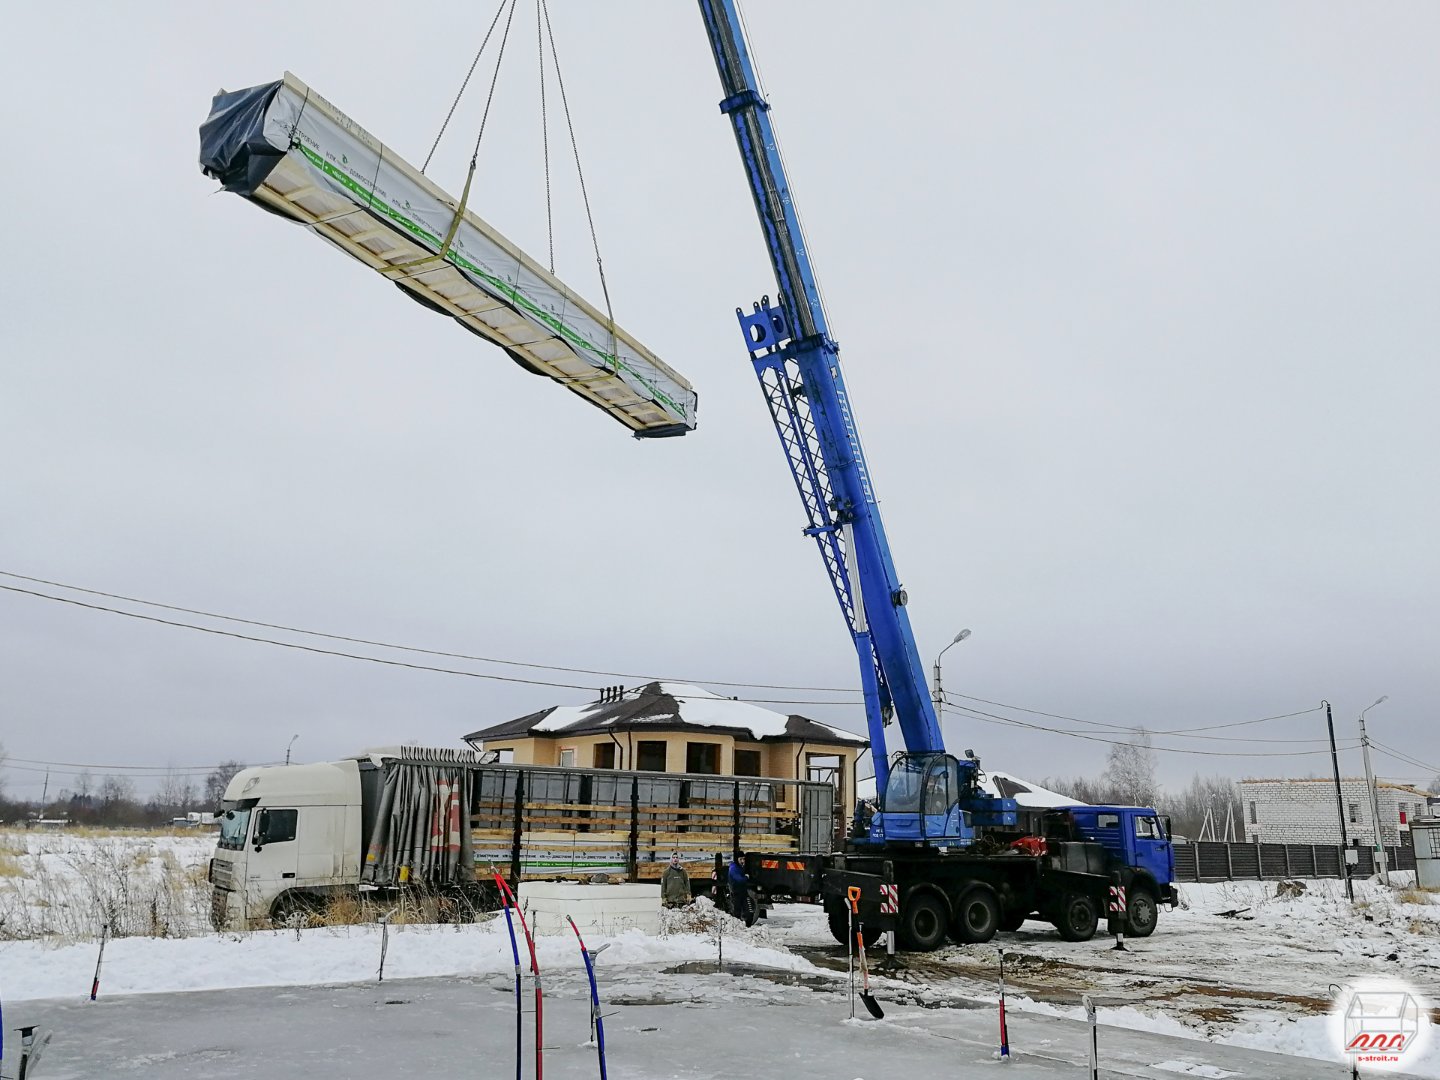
point(605, 755)
point(567, 758)
point(650, 755)
point(747, 762)
point(702, 757)
point(824, 767)
point(505, 757)
point(1354, 813)
point(1254, 818)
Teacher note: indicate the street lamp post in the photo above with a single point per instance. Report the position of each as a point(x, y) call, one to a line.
point(287, 748)
point(1374, 794)
point(938, 695)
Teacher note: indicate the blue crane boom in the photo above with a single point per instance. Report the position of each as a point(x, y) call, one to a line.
point(798, 365)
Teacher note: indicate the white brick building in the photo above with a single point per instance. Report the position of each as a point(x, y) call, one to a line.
point(1304, 811)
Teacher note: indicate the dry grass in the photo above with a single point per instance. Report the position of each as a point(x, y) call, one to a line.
point(68, 885)
point(1419, 895)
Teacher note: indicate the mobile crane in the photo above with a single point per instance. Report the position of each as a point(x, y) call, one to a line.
point(937, 856)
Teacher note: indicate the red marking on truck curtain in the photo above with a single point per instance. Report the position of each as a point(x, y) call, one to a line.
point(445, 821)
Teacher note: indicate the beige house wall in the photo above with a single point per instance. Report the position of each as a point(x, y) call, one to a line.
point(777, 759)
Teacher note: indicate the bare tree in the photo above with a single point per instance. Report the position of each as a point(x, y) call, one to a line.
point(218, 780)
point(1130, 772)
point(4, 757)
point(1434, 788)
point(176, 794)
point(1187, 808)
point(117, 799)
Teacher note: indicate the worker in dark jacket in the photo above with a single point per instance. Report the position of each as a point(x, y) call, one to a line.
point(675, 884)
point(740, 890)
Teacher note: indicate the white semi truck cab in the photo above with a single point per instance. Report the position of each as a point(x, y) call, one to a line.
point(289, 834)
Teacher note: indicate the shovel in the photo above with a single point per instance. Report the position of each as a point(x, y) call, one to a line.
point(866, 998)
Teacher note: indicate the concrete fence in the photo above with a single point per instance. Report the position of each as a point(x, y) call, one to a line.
point(1211, 861)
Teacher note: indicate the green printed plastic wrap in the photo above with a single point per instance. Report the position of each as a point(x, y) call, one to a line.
point(286, 148)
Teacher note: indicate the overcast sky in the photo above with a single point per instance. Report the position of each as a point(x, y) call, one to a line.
point(1138, 306)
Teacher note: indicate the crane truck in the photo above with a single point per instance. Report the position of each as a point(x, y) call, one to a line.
point(940, 857)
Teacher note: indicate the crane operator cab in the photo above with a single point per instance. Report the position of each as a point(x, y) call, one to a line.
point(935, 799)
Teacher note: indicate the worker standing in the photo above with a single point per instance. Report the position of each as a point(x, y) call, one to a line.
point(675, 883)
point(740, 890)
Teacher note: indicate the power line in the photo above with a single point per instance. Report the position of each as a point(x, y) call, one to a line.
point(1117, 728)
point(369, 659)
point(991, 718)
point(145, 768)
point(406, 648)
point(1400, 755)
point(1179, 733)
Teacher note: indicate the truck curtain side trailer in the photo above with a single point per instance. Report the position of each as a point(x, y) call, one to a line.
point(294, 837)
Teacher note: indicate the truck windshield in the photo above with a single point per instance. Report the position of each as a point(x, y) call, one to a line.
point(233, 825)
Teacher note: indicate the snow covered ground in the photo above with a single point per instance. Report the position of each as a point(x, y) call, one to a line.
point(1206, 996)
point(66, 884)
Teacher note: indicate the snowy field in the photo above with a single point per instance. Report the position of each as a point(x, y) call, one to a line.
point(64, 885)
point(1206, 996)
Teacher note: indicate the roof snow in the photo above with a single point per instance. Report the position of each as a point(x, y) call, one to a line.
point(1008, 786)
point(670, 704)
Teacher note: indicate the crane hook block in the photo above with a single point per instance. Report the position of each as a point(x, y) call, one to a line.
point(765, 328)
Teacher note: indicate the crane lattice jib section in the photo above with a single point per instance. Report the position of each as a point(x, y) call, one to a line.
point(286, 148)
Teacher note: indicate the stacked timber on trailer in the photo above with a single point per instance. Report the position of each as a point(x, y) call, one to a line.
point(287, 149)
point(573, 823)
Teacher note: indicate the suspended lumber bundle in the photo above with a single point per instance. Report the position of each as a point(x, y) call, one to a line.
point(286, 148)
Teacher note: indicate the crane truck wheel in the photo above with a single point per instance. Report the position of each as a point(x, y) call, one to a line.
point(840, 930)
point(976, 918)
point(924, 921)
point(1077, 917)
point(1142, 910)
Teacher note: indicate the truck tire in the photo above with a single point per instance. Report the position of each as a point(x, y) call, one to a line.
point(1013, 920)
point(292, 906)
point(976, 918)
point(839, 930)
point(1077, 917)
point(1142, 911)
point(924, 921)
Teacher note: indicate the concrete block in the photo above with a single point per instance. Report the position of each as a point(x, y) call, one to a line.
point(596, 909)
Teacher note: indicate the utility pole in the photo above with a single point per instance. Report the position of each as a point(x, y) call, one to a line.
point(1340, 806)
point(287, 748)
point(45, 793)
point(1374, 794)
